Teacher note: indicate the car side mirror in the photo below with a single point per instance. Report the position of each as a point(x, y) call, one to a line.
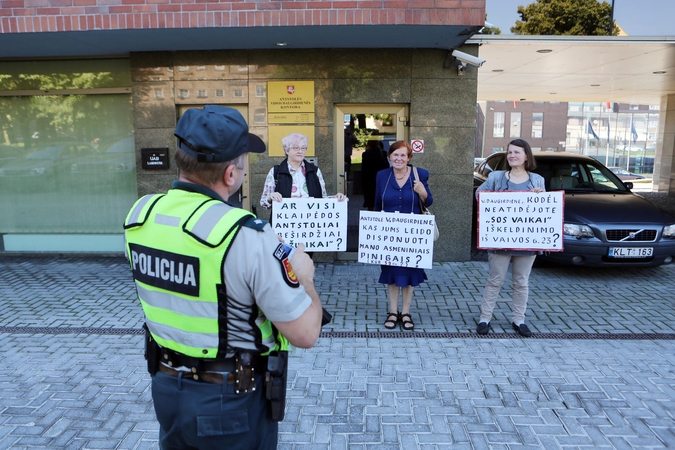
point(628, 184)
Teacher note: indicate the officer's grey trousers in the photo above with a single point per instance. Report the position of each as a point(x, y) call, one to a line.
point(195, 415)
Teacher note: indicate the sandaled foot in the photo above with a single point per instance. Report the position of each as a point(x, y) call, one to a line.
point(407, 322)
point(392, 320)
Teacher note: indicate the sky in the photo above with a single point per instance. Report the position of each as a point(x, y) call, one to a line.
point(635, 17)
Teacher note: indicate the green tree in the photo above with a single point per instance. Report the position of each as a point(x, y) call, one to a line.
point(565, 17)
point(491, 30)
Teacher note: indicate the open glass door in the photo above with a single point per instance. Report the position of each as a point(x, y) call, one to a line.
point(379, 123)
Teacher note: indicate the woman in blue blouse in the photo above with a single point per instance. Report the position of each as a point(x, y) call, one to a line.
point(397, 190)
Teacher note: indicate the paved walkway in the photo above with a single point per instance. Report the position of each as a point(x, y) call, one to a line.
point(598, 373)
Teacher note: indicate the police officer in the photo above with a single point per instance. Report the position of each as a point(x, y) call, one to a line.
point(222, 300)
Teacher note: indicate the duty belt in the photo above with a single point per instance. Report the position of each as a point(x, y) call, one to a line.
point(174, 359)
point(241, 369)
point(214, 378)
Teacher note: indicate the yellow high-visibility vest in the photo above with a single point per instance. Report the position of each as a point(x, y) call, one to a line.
point(177, 244)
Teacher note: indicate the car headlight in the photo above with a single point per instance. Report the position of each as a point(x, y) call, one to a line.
point(669, 231)
point(578, 231)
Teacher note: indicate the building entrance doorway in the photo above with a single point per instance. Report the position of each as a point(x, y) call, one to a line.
point(358, 127)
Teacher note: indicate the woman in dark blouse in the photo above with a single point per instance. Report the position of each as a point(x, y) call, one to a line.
point(397, 190)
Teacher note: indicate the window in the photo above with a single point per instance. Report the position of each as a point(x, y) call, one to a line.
point(220, 93)
point(498, 130)
point(201, 93)
point(515, 124)
point(537, 124)
point(497, 149)
point(536, 149)
point(260, 91)
point(259, 115)
point(237, 93)
point(183, 93)
point(158, 93)
point(73, 170)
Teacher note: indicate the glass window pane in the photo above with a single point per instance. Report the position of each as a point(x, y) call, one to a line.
point(65, 74)
point(67, 163)
point(498, 129)
point(515, 124)
point(537, 124)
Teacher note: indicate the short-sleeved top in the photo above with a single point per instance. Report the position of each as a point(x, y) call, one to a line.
point(254, 275)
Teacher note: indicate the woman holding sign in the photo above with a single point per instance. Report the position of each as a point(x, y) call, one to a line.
point(294, 177)
point(518, 178)
point(397, 190)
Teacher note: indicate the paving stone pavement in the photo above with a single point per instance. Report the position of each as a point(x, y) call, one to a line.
point(73, 375)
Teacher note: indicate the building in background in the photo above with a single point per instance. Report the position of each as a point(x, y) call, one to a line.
point(90, 91)
point(617, 134)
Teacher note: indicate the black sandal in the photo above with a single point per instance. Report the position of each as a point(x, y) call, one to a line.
point(390, 323)
point(407, 325)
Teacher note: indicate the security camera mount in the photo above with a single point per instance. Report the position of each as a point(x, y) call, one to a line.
point(464, 59)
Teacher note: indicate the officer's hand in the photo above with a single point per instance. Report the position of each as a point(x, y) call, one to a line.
point(303, 266)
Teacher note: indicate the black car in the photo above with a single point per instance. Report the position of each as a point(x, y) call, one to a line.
point(605, 224)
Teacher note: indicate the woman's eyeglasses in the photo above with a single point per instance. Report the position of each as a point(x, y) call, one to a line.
point(298, 149)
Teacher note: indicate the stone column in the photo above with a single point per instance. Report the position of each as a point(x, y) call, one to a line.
point(664, 164)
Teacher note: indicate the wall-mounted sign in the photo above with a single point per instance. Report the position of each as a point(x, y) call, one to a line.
point(290, 102)
point(292, 136)
point(417, 145)
point(155, 158)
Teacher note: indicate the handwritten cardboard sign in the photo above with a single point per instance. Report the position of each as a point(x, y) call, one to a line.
point(394, 239)
point(319, 223)
point(521, 220)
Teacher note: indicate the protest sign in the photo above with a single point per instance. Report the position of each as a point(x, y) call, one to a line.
point(319, 223)
point(395, 239)
point(520, 220)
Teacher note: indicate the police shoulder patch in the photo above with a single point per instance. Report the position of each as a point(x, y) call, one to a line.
point(285, 264)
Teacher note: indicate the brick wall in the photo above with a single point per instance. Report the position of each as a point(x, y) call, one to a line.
point(27, 16)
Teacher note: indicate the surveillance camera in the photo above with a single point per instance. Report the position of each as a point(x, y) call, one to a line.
point(465, 58)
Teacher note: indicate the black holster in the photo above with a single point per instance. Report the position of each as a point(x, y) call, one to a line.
point(275, 383)
point(151, 352)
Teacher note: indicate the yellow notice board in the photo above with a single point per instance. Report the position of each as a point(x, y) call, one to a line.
point(290, 101)
point(290, 118)
point(277, 133)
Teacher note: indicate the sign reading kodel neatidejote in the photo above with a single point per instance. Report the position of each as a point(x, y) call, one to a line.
point(520, 220)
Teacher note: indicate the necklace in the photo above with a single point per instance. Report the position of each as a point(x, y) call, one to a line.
point(403, 176)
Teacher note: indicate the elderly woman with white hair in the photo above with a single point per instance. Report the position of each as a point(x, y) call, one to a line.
point(294, 177)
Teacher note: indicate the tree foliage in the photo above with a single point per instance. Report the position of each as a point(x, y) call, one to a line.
point(565, 17)
point(491, 30)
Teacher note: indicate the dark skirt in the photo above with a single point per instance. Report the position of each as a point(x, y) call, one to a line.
point(402, 276)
